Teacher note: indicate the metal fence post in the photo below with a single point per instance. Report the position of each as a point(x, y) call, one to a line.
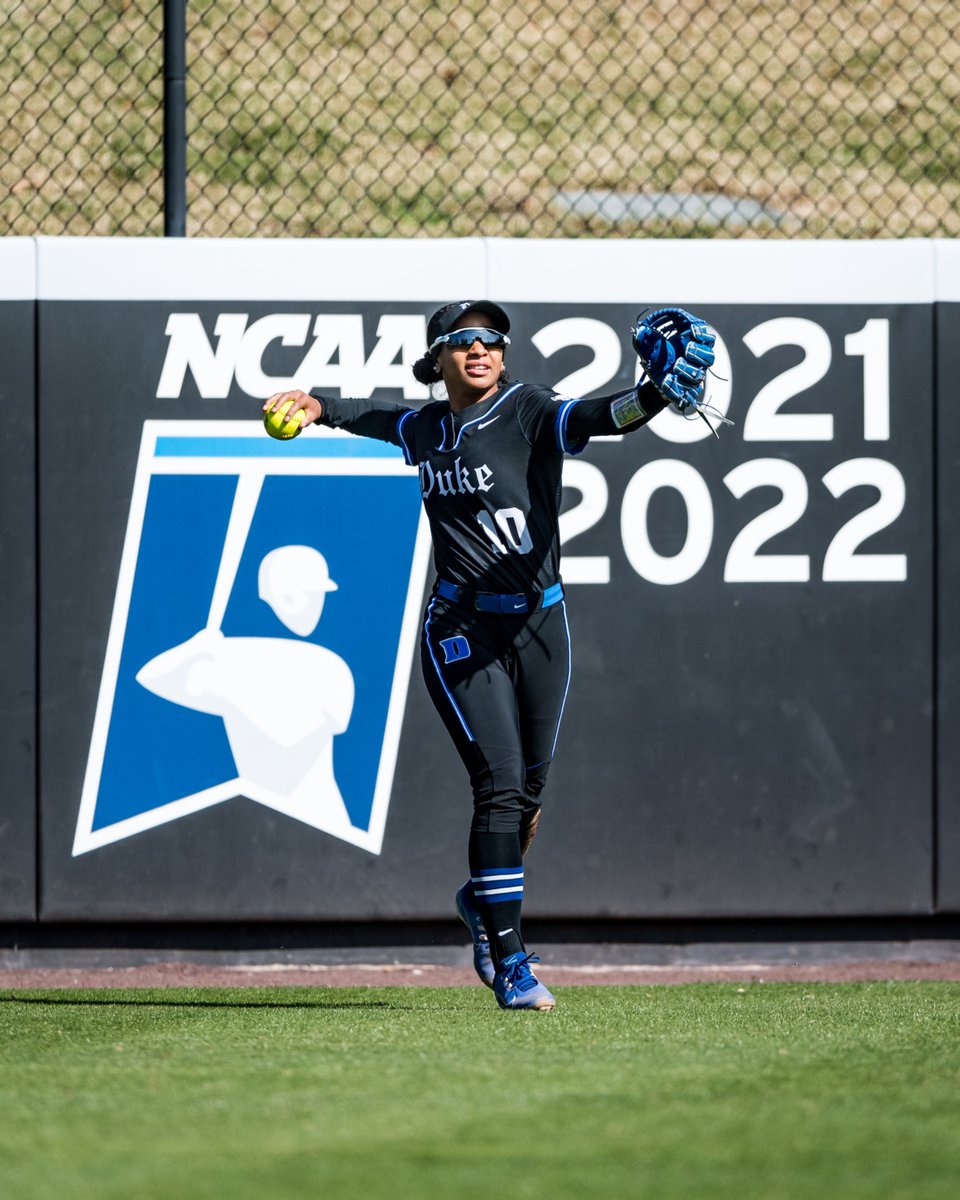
point(174, 118)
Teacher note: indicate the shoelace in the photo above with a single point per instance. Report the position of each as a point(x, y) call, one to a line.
point(521, 977)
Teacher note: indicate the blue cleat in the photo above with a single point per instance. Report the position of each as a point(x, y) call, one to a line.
point(469, 914)
point(516, 986)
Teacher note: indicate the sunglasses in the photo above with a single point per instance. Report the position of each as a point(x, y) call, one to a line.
point(464, 338)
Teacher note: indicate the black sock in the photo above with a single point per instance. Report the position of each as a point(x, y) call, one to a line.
point(505, 941)
point(496, 871)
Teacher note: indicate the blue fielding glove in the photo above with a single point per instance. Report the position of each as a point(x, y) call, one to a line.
point(675, 350)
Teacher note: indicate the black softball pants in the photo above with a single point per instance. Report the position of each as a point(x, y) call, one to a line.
point(499, 682)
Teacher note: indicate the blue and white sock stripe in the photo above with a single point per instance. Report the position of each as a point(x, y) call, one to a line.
point(497, 885)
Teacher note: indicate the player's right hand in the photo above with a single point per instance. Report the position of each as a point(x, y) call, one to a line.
point(310, 406)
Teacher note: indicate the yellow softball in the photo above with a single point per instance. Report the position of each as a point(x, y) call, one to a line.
point(276, 424)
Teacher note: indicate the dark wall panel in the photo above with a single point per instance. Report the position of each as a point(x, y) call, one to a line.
point(18, 805)
point(948, 633)
point(749, 728)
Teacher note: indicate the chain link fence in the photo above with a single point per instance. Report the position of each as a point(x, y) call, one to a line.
point(399, 118)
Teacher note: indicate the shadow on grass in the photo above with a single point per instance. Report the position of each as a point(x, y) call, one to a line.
point(213, 1002)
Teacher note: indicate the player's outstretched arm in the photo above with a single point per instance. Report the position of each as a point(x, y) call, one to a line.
point(310, 406)
point(371, 418)
point(621, 412)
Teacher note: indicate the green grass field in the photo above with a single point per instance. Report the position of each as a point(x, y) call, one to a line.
point(768, 1090)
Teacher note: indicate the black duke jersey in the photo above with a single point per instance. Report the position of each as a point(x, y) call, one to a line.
point(490, 476)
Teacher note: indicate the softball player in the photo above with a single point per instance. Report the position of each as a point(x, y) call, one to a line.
point(495, 648)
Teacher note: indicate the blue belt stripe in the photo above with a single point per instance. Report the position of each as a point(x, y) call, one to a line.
point(498, 601)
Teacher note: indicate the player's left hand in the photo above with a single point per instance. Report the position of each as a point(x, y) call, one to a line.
point(310, 406)
point(675, 349)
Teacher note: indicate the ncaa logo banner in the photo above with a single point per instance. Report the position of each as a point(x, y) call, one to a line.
point(264, 625)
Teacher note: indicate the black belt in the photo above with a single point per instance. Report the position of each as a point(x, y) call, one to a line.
point(498, 602)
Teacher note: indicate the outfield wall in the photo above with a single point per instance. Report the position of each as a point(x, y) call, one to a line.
point(947, 468)
point(18, 576)
point(760, 720)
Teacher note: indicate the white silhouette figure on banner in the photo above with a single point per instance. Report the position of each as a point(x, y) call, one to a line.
point(282, 701)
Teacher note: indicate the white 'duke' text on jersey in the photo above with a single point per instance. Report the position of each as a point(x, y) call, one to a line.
point(456, 480)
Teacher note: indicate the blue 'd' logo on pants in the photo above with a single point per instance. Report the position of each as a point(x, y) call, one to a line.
point(264, 626)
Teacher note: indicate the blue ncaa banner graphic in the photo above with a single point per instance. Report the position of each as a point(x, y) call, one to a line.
point(254, 650)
